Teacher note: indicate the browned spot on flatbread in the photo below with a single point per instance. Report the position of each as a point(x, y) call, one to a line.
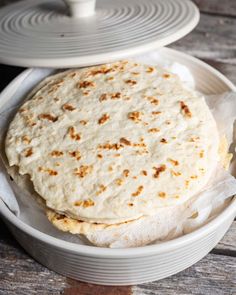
point(47, 170)
point(150, 70)
point(166, 76)
point(135, 116)
point(163, 140)
point(56, 153)
point(126, 173)
point(86, 203)
point(103, 119)
point(194, 139)
point(173, 162)
point(26, 139)
point(102, 189)
point(201, 154)
point(102, 70)
point(185, 109)
point(125, 141)
point(144, 172)
point(162, 194)
point(130, 82)
point(156, 113)
point(83, 170)
point(22, 110)
point(159, 170)
point(73, 134)
point(187, 183)
point(110, 146)
point(28, 152)
point(75, 154)
point(60, 217)
point(83, 122)
point(109, 78)
point(68, 107)
point(85, 84)
point(48, 117)
point(140, 144)
point(103, 97)
point(119, 181)
point(79, 288)
point(138, 191)
point(115, 95)
point(153, 130)
point(153, 100)
point(175, 173)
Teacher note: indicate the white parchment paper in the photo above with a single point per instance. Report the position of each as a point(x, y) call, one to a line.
point(167, 224)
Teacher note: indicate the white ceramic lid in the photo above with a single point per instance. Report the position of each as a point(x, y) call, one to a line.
point(72, 33)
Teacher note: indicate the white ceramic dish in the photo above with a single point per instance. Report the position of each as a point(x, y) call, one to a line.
point(134, 265)
point(40, 34)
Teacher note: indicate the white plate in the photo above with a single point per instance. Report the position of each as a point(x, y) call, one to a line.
point(134, 265)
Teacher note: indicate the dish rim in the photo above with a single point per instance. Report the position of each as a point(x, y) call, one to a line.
point(102, 252)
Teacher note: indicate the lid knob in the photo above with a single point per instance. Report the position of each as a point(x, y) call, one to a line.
point(81, 8)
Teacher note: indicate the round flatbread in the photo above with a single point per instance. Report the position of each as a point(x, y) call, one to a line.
point(114, 142)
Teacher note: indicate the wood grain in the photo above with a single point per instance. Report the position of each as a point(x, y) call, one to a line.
point(214, 38)
point(213, 275)
point(226, 7)
point(19, 274)
point(228, 243)
point(214, 41)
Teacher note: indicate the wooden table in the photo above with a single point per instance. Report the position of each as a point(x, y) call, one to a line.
point(214, 41)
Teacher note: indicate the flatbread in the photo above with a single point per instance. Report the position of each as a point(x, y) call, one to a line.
point(167, 223)
point(139, 232)
point(136, 233)
point(225, 156)
point(115, 142)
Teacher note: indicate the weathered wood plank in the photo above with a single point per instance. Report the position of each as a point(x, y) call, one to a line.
point(226, 7)
point(215, 274)
point(213, 38)
point(19, 274)
point(228, 243)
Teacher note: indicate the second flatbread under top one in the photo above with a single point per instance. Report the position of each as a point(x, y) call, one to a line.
point(112, 143)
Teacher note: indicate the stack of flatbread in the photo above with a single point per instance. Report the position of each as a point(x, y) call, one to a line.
point(113, 151)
